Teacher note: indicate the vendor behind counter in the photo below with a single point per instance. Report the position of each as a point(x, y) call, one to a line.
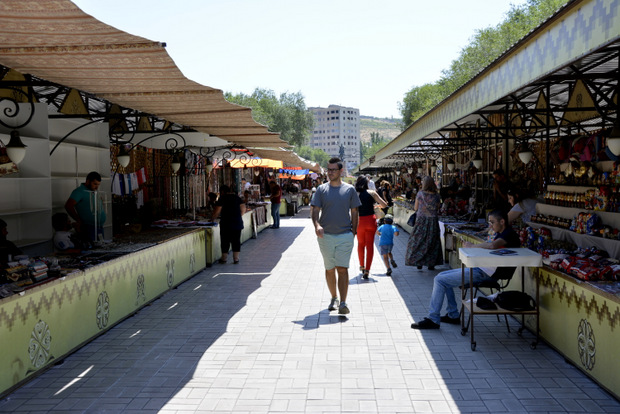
point(8, 249)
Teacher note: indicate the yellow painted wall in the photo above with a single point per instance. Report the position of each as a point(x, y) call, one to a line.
point(51, 320)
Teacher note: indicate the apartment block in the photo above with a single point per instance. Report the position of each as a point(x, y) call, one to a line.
point(337, 132)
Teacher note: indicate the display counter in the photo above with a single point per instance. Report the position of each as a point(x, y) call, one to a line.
point(580, 320)
point(290, 203)
point(402, 210)
point(43, 324)
point(254, 221)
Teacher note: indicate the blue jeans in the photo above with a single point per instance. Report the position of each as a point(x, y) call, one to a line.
point(444, 285)
point(275, 214)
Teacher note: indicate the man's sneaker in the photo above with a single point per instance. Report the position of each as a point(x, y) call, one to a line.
point(452, 321)
point(389, 272)
point(343, 310)
point(394, 265)
point(333, 304)
point(425, 324)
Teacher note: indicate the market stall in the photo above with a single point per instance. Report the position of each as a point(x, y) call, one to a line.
point(87, 296)
point(542, 117)
point(152, 134)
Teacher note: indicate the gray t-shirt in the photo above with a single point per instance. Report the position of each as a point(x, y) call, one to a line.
point(335, 204)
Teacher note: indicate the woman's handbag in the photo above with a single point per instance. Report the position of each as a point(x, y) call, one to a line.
point(411, 221)
point(378, 212)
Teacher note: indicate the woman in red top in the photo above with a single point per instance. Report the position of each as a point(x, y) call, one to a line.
point(367, 224)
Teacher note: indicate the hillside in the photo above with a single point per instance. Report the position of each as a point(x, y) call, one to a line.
point(386, 127)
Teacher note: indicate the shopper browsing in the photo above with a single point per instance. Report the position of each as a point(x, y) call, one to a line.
point(367, 224)
point(424, 245)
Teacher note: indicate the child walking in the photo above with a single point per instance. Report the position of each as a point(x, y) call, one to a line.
point(387, 232)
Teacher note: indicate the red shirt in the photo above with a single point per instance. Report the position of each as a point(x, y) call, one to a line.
point(276, 194)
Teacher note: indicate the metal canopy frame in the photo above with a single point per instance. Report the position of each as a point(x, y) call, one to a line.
point(501, 104)
point(54, 95)
point(598, 71)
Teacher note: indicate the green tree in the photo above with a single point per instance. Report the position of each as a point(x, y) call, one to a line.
point(286, 114)
point(376, 143)
point(420, 100)
point(483, 48)
point(313, 154)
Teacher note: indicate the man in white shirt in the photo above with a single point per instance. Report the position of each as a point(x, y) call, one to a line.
point(371, 183)
point(245, 185)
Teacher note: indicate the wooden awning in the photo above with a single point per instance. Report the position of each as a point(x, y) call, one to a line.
point(58, 42)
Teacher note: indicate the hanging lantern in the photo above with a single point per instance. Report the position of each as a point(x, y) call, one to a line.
point(525, 155)
point(613, 142)
point(477, 160)
point(451, 165)
point(16, 149)
point(176, 163)
point(123, 156)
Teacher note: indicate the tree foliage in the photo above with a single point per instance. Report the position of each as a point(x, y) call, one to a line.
point(313, 154)
point(286, 114)
point(484, 47)
point(376, 143)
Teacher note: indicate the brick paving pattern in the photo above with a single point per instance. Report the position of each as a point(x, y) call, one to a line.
point(257, 338)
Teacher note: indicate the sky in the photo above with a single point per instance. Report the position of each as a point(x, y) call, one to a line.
point(365, 54)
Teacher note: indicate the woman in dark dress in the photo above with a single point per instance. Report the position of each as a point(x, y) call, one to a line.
point(232, 209)
point(424, 245)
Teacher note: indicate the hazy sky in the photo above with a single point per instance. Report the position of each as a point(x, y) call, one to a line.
point(364, 54)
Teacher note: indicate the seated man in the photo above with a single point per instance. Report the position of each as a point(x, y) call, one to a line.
point(65, 240)
point(445, 282)
point(8, 250)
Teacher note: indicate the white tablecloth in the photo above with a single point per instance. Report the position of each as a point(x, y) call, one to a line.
point(477, 257)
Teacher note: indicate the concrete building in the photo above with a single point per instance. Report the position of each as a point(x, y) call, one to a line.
point(337, 132)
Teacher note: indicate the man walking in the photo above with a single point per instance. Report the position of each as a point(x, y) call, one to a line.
point(337, 202)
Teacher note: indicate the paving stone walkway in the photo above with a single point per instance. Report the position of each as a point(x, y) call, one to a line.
point(257, 338)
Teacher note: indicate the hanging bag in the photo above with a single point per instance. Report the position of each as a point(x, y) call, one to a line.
point(379, 214)
point(411, 221)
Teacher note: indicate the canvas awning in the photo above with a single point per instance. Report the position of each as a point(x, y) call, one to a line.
point(289, 158)
point(256, 162)
point(58, 42)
